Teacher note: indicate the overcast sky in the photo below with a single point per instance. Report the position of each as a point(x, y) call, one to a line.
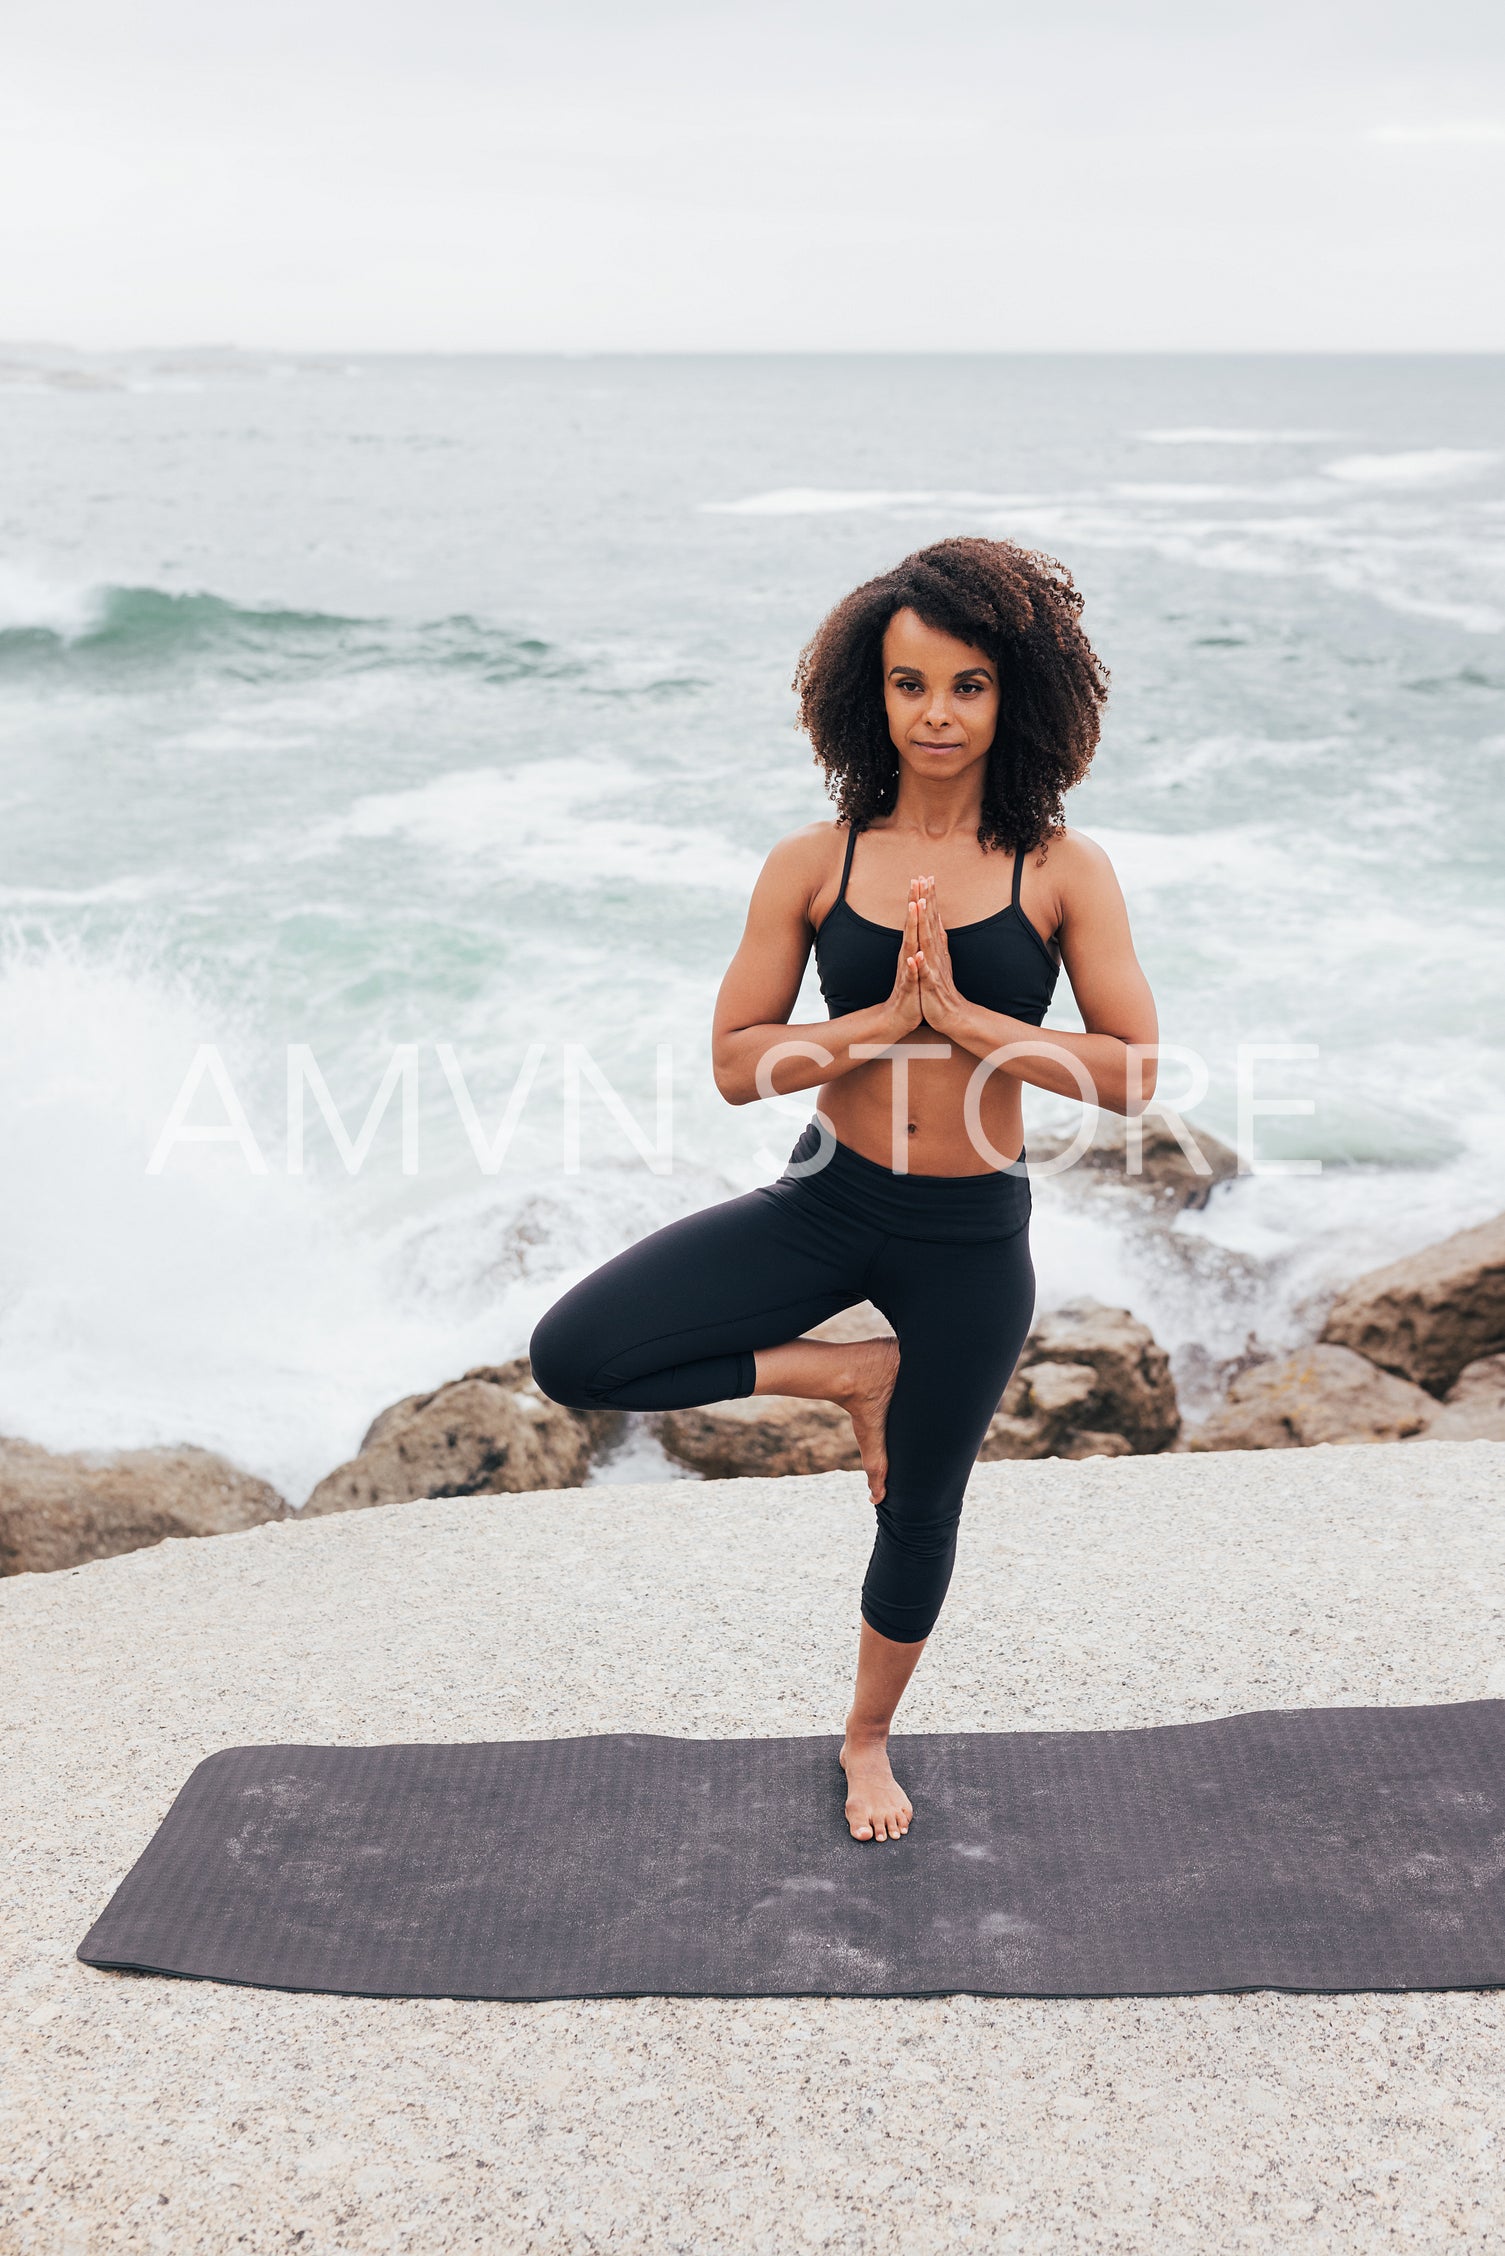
point(941, 175)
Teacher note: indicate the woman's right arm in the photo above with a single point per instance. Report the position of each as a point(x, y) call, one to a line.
point(762, 984)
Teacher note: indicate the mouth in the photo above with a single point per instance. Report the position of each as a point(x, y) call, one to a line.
point(922, 744)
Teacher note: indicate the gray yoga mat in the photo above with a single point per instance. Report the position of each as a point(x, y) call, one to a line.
point(1310, 1849)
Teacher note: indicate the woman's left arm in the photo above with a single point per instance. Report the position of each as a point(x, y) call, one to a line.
point(1111, 991)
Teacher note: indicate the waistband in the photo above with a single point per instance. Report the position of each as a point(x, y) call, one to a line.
point(948, 1207)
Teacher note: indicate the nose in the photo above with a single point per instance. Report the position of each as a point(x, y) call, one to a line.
point(938, 712)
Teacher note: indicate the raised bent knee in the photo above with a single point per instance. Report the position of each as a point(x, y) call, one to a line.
point(559, 1366)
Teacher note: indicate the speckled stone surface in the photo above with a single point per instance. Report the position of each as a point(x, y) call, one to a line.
point(146, 2114)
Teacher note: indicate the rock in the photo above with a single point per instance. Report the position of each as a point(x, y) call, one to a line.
point(1166, 1173)
point(1091, 1382)
point(60, 1510)
point(1324, 1393)
point(763, 1434)
point(489, 1432)
point(1475, 1407)
point(772, 1434)
point(1431, 1315)
point(1048, 1406)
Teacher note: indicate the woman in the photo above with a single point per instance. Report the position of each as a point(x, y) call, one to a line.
point(951, 702)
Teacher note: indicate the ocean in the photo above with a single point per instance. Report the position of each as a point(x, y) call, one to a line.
point(354, 704)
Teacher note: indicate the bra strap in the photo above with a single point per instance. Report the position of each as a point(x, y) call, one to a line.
point(846, 867)
point(1018, 875)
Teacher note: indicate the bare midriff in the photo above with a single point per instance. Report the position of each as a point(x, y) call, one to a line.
point(931, 1136)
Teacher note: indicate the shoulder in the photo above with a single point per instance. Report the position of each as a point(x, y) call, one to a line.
point(811, 837)
point(1076, 864)
point(1073, 852)
point(799, 865)
point(1085, 894)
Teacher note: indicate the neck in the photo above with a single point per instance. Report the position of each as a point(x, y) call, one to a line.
point(938, 807)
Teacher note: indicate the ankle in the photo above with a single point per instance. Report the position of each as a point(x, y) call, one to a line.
point(845, 1384)
point(864, 1733)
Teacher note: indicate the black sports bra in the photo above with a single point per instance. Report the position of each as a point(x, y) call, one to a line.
point(999, 962)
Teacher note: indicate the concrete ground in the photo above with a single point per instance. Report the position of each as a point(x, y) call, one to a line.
point(148, 2114)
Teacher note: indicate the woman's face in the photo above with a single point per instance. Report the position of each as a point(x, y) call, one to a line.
point(941, 696)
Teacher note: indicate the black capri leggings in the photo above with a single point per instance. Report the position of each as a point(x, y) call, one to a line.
point(673, 1320)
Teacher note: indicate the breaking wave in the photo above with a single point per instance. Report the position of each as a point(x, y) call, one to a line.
point(112, 628)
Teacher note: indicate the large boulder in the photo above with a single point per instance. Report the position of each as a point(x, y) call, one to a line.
point(1475, 1407)
point(1091, 1382)
point(489, 1432)
point(57, 1510)
point(1049, 1414)
point(769, 1434)
point(1323, 1393)
point(1166, 1172)
point(1430, 1315)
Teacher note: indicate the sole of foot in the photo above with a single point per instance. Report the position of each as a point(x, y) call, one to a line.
point(865, 1399)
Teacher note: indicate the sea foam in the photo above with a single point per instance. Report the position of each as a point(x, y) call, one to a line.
point(33, 603)
point(268, 1316)
point(546, 818)
point(1424, 466)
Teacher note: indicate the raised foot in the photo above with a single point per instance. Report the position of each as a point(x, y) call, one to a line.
point(865, 1395)
point(878, 1809)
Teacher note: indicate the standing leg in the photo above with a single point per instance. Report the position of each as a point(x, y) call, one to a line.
point(961, 1313)
point(878, 1808)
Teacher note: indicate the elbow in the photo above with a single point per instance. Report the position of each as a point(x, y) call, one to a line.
point(1139, 1085)
point(729, 1083)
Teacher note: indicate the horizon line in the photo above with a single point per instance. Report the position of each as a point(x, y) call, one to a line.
point(223, 349)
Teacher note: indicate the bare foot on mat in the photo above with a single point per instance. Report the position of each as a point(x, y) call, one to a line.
point(865, 1398)
point(878, 1809)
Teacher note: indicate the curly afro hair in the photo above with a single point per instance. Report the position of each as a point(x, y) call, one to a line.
point(1023, 610)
